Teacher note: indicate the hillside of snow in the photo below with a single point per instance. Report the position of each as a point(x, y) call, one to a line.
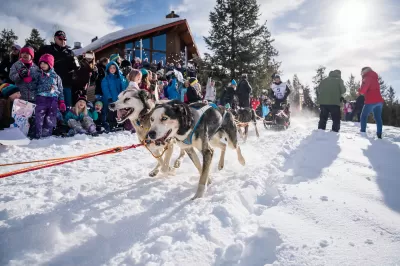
point(305, 197)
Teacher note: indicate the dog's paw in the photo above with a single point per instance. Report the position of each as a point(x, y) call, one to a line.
point(177, 164)
point(154, 173)
point(221, 166)
point(165, 169)
point(242, 161)
point(172, 171)
point(200, 192)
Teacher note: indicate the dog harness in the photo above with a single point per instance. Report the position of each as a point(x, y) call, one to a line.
point(198, 115)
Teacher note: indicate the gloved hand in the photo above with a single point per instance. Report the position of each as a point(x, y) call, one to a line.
point(62, 106)
point(24, 72)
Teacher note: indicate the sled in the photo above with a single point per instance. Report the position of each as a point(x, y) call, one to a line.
point(281, 121)
point(21, 112)
point(13, 136)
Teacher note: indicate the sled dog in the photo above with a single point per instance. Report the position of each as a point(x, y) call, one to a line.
point(245, 116)
point(200, 126)
point(135, 105)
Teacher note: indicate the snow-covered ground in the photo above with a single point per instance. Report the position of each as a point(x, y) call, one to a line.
point(304, 198)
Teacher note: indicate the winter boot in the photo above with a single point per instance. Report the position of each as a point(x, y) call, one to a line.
point(379, 135)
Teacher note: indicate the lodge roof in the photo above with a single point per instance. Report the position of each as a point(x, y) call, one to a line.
point(139, 31)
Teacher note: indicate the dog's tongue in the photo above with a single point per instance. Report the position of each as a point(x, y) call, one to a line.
point(119, 114)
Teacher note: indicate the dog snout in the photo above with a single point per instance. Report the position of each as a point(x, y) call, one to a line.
point(111, 105)
point(152, 134)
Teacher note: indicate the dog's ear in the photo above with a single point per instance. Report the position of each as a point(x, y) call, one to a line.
point(143, 96)
point(185, 116)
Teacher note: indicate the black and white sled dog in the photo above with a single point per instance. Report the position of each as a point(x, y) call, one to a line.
point(244, 116)
point(136, 105)
point(201, 126)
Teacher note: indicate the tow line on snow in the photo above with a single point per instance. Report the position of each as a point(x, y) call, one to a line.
point(64, 160)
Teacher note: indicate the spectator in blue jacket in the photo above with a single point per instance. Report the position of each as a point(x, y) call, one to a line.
point(173, 89)
point(112, 85)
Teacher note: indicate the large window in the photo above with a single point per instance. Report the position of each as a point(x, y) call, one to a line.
point(145, 43)
point(158, 56)
point(154, 48)
point(129, 49)
point(160, 43)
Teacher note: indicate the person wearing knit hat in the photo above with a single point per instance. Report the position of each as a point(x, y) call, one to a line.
point(194, 93)
point(24, 74)
point(29, 51)
point(48, 59)
point(16, 47)
point(193, 81)
point(229, 96)
point(49, 97)
point(98, 105)
point(8, 93)
point(115, 58)
point(79, 119)
point(144, 71)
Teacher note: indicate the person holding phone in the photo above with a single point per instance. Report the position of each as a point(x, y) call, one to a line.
point(85, 76)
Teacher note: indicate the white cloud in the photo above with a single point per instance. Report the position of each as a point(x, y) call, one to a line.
point(294, 26)
point(81, 20)
point(320, 39)
point(271, 9)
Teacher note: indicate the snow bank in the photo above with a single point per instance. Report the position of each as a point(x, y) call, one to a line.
point(304, 198)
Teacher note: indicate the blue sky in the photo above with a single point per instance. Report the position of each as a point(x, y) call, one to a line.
point(341, 34)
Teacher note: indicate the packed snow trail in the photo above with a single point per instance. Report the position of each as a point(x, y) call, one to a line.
point(304, 198)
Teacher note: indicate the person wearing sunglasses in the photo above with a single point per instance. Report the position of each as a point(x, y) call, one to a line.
point(65, 62)
point(85, 76)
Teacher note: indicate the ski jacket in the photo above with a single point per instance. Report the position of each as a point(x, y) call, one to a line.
point(280, 91)
point(49, 84)
point(173, 90)
point(370, 88)
point(112, 84)
point(65, 62)
point(330, 89)
point(243, 93)
point(28, 89)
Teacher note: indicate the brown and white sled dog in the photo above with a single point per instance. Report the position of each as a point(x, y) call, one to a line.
point(245, 116)
point(135, 105)
point(199, 126)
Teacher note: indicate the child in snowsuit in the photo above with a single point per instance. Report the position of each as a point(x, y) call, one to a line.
point(112, 85)
point(49, 97)
point(79, 119)
point(98, 106)
point(22, 73)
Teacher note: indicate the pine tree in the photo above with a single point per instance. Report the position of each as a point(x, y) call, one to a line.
point(391, 96)
point(239, 44)
point(34, 40)
point(383, 86)
point(308, 101)
point(317, 80)
point(352, 87)
point(7, 39)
